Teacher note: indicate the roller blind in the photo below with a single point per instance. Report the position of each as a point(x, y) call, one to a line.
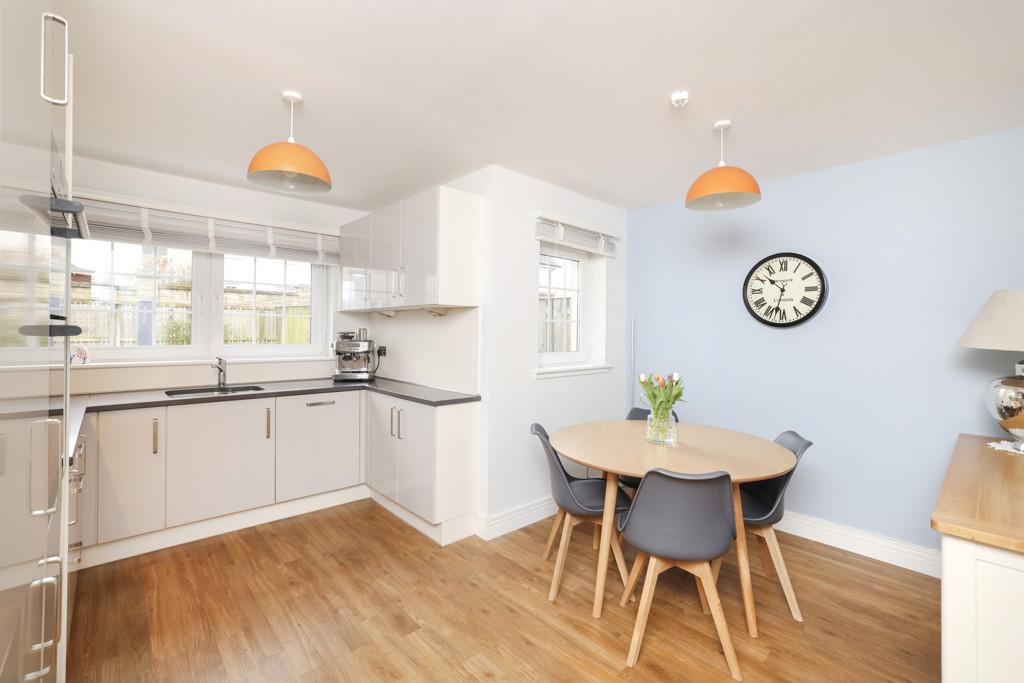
point(552, 230)
point(141, 225)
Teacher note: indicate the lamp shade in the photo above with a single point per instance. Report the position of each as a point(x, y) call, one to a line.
point(999, 325)
point(723, 187)
point(289, 166)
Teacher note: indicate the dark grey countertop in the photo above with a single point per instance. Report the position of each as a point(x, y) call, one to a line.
point(417, 393)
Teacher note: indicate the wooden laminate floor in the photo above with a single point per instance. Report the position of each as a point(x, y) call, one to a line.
point(353, 594)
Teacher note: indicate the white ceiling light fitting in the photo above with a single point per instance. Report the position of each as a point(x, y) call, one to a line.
point(679, 99)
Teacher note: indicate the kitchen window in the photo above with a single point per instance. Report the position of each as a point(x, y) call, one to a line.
point(273, 306)
point(131, 295)
point(560, 276)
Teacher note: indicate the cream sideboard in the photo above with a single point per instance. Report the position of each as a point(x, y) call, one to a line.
point(980, 514)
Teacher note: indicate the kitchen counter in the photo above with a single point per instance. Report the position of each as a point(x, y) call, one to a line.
point(417, 393)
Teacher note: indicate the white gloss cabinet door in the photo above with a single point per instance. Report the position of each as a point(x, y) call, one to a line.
point(417, 281)
point(381, 444)
point(356, 245)
point(417, 457)
point(220, 458)
point(385, 257)
point(130, 481)
point(317, 443)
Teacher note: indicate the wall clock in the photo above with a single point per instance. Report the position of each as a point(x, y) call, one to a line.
point(784, 289)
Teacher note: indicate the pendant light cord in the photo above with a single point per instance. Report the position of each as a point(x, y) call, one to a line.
point(291, 123)
point(721, 147)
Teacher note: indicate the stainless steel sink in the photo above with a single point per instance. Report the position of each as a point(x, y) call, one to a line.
point(212, 391)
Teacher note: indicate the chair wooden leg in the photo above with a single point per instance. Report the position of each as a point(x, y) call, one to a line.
point(563, 550)
point(780, 568)
point(597, 535)
point(634, 576)
point(653, 569)
point(716, 566)
point(620, 559)
point(706, 577)
point(766, 557)
point(555, 527)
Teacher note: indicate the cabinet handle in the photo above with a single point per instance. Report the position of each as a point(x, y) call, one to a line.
point(310, 404)
point(268, 423)
point(42, 583)
point(49, 16)
point(403, 281)
point(45, 511)
point(401, 434)
point(156, 435)
point(392, 420)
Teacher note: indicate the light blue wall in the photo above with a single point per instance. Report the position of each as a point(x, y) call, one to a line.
point(912, 246)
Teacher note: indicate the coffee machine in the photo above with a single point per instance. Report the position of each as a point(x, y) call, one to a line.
point(358, 358)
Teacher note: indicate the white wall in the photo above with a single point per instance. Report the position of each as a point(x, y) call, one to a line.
point(513, 474)
point(912, 246)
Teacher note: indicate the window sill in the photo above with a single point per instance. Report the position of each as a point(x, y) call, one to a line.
point(571, 370)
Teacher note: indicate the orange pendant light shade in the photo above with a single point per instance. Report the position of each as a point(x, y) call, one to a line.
point(723, 187)
point(289, 166)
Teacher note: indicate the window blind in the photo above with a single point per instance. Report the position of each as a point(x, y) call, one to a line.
point(554, 231)
point(141, 225)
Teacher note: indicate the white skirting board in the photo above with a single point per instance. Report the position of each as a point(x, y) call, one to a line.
point(876, 546)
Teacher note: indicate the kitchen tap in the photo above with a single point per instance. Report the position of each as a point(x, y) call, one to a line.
point(222, 372)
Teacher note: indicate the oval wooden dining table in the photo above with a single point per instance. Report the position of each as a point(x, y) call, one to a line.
point(618, 447)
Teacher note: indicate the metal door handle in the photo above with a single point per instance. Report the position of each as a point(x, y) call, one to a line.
point(45, 511)
point(268, 423)
point(392, 420)
point(156, 435)
point(43, 583)
point(401, 434)
point(310, 404)
point(50, 16)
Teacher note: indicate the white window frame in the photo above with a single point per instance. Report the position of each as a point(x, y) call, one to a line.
point(582, 355)
point(323, 296)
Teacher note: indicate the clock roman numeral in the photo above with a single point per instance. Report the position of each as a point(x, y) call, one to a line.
point(759, 304)
point(811, 288)
point(783, 265)
point(798, 264)
point(797, 312)
point(768, 267)
point(807, 302)
point(758, 290)
point(807, 276)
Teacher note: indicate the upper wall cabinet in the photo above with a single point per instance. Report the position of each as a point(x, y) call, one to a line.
point(418, 253)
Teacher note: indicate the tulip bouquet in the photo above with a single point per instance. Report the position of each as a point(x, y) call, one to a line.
point(662, 393)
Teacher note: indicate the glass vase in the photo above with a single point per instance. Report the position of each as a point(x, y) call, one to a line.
point(661, 430)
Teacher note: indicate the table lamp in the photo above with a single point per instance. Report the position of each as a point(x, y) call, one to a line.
point(999, 326)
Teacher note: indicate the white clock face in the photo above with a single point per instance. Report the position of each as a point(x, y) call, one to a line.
point(784, 290)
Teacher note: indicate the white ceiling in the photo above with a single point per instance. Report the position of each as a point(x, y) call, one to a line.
point(401, 95)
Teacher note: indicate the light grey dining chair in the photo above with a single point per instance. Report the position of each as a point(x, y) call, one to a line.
point(638, 414)
point(578, 501)
point(684, 521)
point(763, 508)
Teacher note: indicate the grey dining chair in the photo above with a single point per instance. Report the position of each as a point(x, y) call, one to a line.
point(638, 414)
point(684, 521)
point(763, 507)
point(578, 501)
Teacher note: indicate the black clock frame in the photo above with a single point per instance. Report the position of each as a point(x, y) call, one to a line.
point(789, 323)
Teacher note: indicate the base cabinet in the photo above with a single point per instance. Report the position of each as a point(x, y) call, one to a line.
point(422, 457)
point(317, 443)
point(220, 459)
point(132, 453)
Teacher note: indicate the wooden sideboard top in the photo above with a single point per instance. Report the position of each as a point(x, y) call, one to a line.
point(982, 497)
